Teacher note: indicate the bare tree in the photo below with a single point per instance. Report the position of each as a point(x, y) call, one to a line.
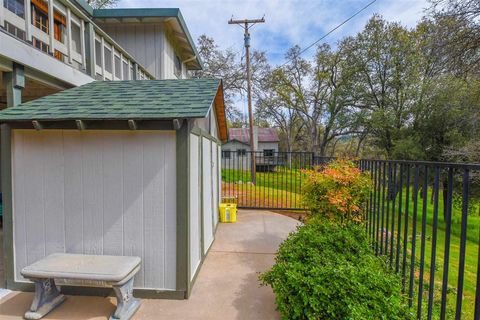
point(100, 4)
point(228, 65)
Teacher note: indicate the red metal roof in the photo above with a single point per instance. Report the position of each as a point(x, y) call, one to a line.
point(243, 135)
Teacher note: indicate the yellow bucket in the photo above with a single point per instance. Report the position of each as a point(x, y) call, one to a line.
point(228, 212)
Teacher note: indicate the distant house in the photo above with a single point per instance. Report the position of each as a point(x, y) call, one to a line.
point(235, 150)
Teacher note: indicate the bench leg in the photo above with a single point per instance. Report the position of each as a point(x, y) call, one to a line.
point(127, 305)
point(47, 297)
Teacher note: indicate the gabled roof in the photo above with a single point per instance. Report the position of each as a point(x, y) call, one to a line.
point(151, 15)
point(127, 100)
point(243, 135)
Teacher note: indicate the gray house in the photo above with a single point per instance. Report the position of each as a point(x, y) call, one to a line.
point(235, 150)
point(115, 168)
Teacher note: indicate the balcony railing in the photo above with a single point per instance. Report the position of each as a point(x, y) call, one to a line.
point(61, 32)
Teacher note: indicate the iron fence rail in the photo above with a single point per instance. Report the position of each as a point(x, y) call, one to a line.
point(408, 193)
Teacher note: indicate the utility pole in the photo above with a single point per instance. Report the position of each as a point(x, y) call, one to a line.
point(247, 24)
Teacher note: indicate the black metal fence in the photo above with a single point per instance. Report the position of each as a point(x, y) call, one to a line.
point(423, 217)
point(279, 178)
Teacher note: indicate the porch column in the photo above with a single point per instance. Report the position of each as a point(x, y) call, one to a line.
point(14, 82)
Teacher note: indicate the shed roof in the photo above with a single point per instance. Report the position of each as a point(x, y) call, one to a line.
point(243, 135)
point(127, 100)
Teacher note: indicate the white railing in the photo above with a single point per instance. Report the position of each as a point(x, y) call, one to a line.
point(117, 65)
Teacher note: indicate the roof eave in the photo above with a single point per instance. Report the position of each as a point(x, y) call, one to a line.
point(154, 12)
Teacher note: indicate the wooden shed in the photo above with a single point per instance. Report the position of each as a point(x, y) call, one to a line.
point(117, 168)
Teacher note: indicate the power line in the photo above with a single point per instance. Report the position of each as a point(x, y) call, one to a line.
point(332, 30)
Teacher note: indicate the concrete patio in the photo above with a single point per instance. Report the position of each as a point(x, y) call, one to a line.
point(226, 287)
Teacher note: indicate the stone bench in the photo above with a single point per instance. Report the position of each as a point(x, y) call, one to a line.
point(114, 271)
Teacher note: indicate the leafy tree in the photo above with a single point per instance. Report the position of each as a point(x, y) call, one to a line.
point(100, 4)
point(384, 79)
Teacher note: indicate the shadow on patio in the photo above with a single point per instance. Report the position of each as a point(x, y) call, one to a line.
point(226, 287)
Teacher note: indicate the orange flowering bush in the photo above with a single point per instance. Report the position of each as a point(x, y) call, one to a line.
point(337, 192)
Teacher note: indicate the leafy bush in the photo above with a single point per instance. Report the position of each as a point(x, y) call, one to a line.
point(327, 271)
point(337, 191)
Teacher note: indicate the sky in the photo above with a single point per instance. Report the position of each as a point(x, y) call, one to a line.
point(287, 22)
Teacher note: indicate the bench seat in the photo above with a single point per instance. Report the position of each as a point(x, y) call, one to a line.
point(116, 271)
point(111, 269)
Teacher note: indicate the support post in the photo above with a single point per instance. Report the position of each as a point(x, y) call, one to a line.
point(89, 38)
point(14, 83)
point(127, 305)
point(1, 13)
point(28, 19)
point(69, 35)
point(47, 297)
point(51, 27)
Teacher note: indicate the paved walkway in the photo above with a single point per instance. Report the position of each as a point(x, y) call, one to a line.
point(226, 287)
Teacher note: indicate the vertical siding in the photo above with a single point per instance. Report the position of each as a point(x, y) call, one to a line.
point(215, 194)
point(195, 209)
point(148, 46)
point(101, 192)
point(207, 194)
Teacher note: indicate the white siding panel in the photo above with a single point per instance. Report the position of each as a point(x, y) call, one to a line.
point(112, 194)
point(215, 183)
point(153, 202)
point(170, 211)
point(54, 193)
point(195, 209)
point(101, 192)
point(207, 194)
point(33, 190)
point(133, 201)
point(73, 192)
point(92, 182)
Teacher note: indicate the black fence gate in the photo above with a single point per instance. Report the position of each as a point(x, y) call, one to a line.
point(279, 178)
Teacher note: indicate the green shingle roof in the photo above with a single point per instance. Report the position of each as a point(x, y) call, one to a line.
point(121, 100)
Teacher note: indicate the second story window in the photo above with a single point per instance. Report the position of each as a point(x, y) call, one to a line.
point(76, 38)
point(19, 33)
point(178, 66)
point(126, 69)
point(118, 67)
point(59, 25)
point(108, 59)
point(40, 15)
point(15, 6)
point(40, 45)
point(98, 53)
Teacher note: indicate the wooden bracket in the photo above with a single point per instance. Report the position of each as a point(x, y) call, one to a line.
point(37, 125)
point(80, 124)
point(177, 124)
point(132, 124)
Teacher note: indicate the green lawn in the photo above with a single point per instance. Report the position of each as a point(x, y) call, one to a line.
point(471, 257)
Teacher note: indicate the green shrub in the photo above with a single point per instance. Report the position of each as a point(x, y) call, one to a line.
point(337, 192)
point(327, 271)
